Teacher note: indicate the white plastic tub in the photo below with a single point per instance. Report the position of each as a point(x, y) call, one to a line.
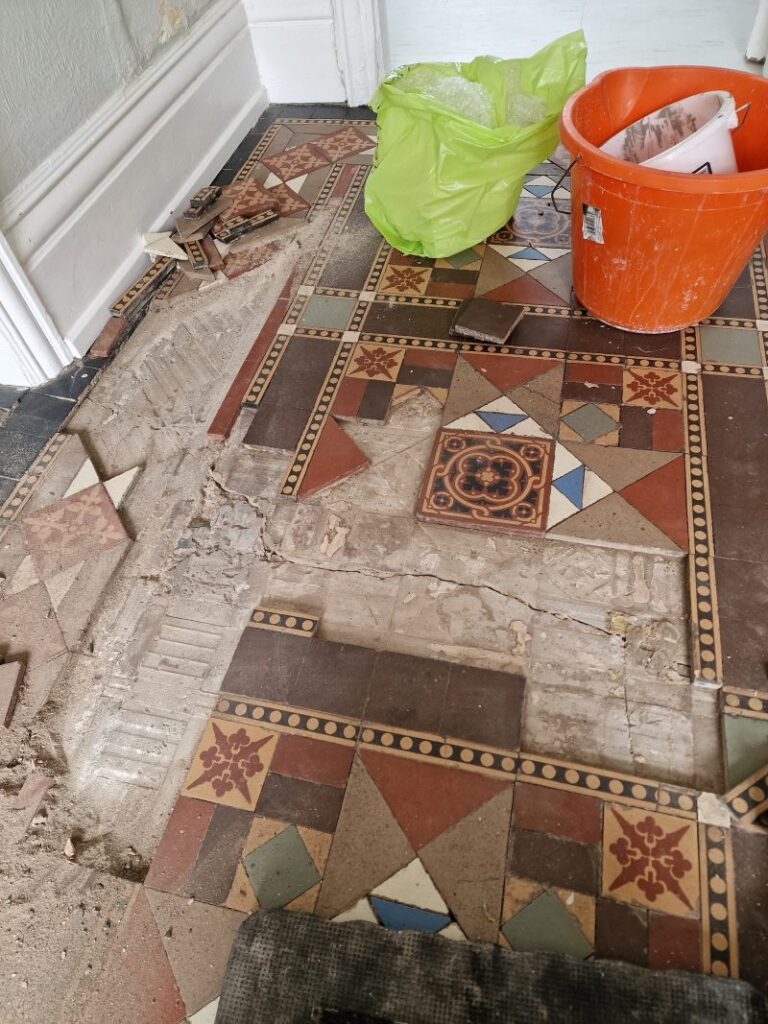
point(690, 136)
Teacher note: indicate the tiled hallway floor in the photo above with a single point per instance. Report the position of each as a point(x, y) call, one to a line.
point(410, 629)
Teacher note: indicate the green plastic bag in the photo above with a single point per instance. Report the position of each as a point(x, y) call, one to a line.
point(442, 183)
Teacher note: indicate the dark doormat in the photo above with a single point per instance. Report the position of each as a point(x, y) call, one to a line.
point(290, 968)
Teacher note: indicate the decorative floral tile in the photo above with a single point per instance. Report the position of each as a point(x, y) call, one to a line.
point(289, 203)
point(249, 198)
point(657, 389)
point(346, 142)
point(651, 860)
point(591, 422)
point(376, 362)
point(405, 280)
point(72, 530)
point(492, 481)
point(293, 162)
point(230, 764)
point(244, 260)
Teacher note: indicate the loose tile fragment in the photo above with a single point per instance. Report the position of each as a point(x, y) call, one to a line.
point(486, 320)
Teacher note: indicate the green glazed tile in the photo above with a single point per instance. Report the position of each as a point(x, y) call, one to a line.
point(730, 345)
point(589, 422)
point(746, 747)
point(281, 869)
point(328, 312)
point(546, 926)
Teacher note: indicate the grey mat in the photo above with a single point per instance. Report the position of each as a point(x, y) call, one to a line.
point(289, 968)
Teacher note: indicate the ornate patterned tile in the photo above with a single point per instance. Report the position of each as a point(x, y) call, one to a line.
point(488, 481)
point(376, 362)
point(297, 161)
point(651, 860)
point(230, 764)
point(655, 389)
point(346, 142)
point(404, 280)
point(289, 202)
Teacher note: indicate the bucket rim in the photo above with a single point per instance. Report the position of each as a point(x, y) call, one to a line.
point(651, 177)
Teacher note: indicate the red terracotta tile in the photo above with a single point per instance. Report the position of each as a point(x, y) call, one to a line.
point(557, 812)
point(661, 498)
point(138, 983)
point(224, 420)
point(348, 397)
point(507, 372)
point(525, 290)
point(430, 358)
point(176, 855)
point(301, 757)
point(426, 798)
point(674, 943)
point(593, 373)
point(112, 334)
point(343, 181)
point(335, 457)
point(448, 290)
point(667, 431)
point(212, 254)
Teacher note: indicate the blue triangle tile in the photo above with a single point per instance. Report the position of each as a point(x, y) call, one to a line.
point(398, 917)
point(539, 190)
point(572, 485)
point(529, 254)
point(499, 421)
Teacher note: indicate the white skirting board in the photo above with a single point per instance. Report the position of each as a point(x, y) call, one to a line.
point(75, 223)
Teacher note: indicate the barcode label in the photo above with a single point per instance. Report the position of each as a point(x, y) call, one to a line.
point(592, 223)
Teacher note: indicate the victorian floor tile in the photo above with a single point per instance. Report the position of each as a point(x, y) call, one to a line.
point(495, 271)
point(736, 415)
point(488, 481)
point(401, 917)
point(348, 397)
point(369, 846)
point(733, 346)
point(544, 925)
point(426, 799)
point(613, 521)
point(744, 652)
point(621, 932)
point(539, 398)
point(650, 860)
point(300, 803)
point(295, 161)
point(244, 260)
point(486, 321)
point(376, 362)
point(343, 143)
point(674, 943)
point(556, 275)
point(281, 869)
point(327, 312)
point(590, 422)
point(507, 372)
point(28, 627)
point(467, 863)
point(661, 498)
point(335, 457)
point(412, 886)
point(409, 321)
point(407, 692)
point(206, 1015)
point(301, 757)
point(230, 764)
point(334, 678)
point(404, 280)
point(656, 389)
point(197, 940)
point(554, 861)
point(525, 290)
point(376, 401)
point(740, 301)
point(468, 391)
point(617, 466)
point(750, 873)
point(72, 530)
point(180, 845)
point(137, 981)
point(11, 675)
point(213, 874)
point(558, 812)
point(265, 664)
point(483, 706)
point(745, 743)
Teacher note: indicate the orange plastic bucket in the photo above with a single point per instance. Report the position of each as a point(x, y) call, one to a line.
point(653, 250)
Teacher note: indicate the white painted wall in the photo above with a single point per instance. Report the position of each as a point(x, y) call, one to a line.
point(70, 229)
point(295, 49)
point(59, 61)
point(619, 32)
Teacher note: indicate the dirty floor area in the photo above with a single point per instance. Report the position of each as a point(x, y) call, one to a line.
point(325, 608)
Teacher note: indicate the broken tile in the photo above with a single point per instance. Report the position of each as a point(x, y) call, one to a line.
point(11, 675)
point(621, 932)
point(558, 812)
point(159, 243)
point(180, 844)
point(289, 203)
point(335, 457)
point(132, 301)
point(554, 861)
point(546, 926)
point(231, 228)
point(212, 254)
point(300, 803)
point(189, 228)
point(202, 199)
point(249, 198)
point(322, 762)
point(486, 320)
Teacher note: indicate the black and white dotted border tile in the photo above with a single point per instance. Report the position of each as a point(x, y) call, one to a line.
point(719, 943)
point(296, 623)
point(24, 489)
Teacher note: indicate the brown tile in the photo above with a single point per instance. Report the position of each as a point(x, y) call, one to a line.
point(301, 757)
point(750, 861)
point(300, 803)
point(667, 431)
point(739, 302)
point(550, 332)
point(277, 423)
point(736, 415)
point(654, 346)
point(212, 254)
point(674, 943)
point(266, 664)
point(424, 376)
point(595, 393)
point(405, 320)
point(429, 358)
point(636, 427)
point(298, 160)
point(745, 659)
point(348, 397)
point(621, 932)
point(334, 679)
point(114, 331)
point(376, 400)
point(593, 373)
point(180, 845)
point(557, 812)
point(483, 706)
point(585, 335)
point(407, 691)
point(335, 457)
point(485, 320)
point(214, 870)
point(551, 861)
point(742, 588)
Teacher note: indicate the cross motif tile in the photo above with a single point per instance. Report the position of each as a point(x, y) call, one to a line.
point(293, 162)
point(652, 389)
point(230, 764)
point(290, 203)
point(346, 142)
point(376, 362)
point(651, 859)
point(492, 481)
point(405, 280)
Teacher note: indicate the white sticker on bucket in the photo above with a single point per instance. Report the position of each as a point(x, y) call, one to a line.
point(592, 223)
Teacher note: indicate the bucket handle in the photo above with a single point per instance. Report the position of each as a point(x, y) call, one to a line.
point(560, 181)
point(745, 107)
